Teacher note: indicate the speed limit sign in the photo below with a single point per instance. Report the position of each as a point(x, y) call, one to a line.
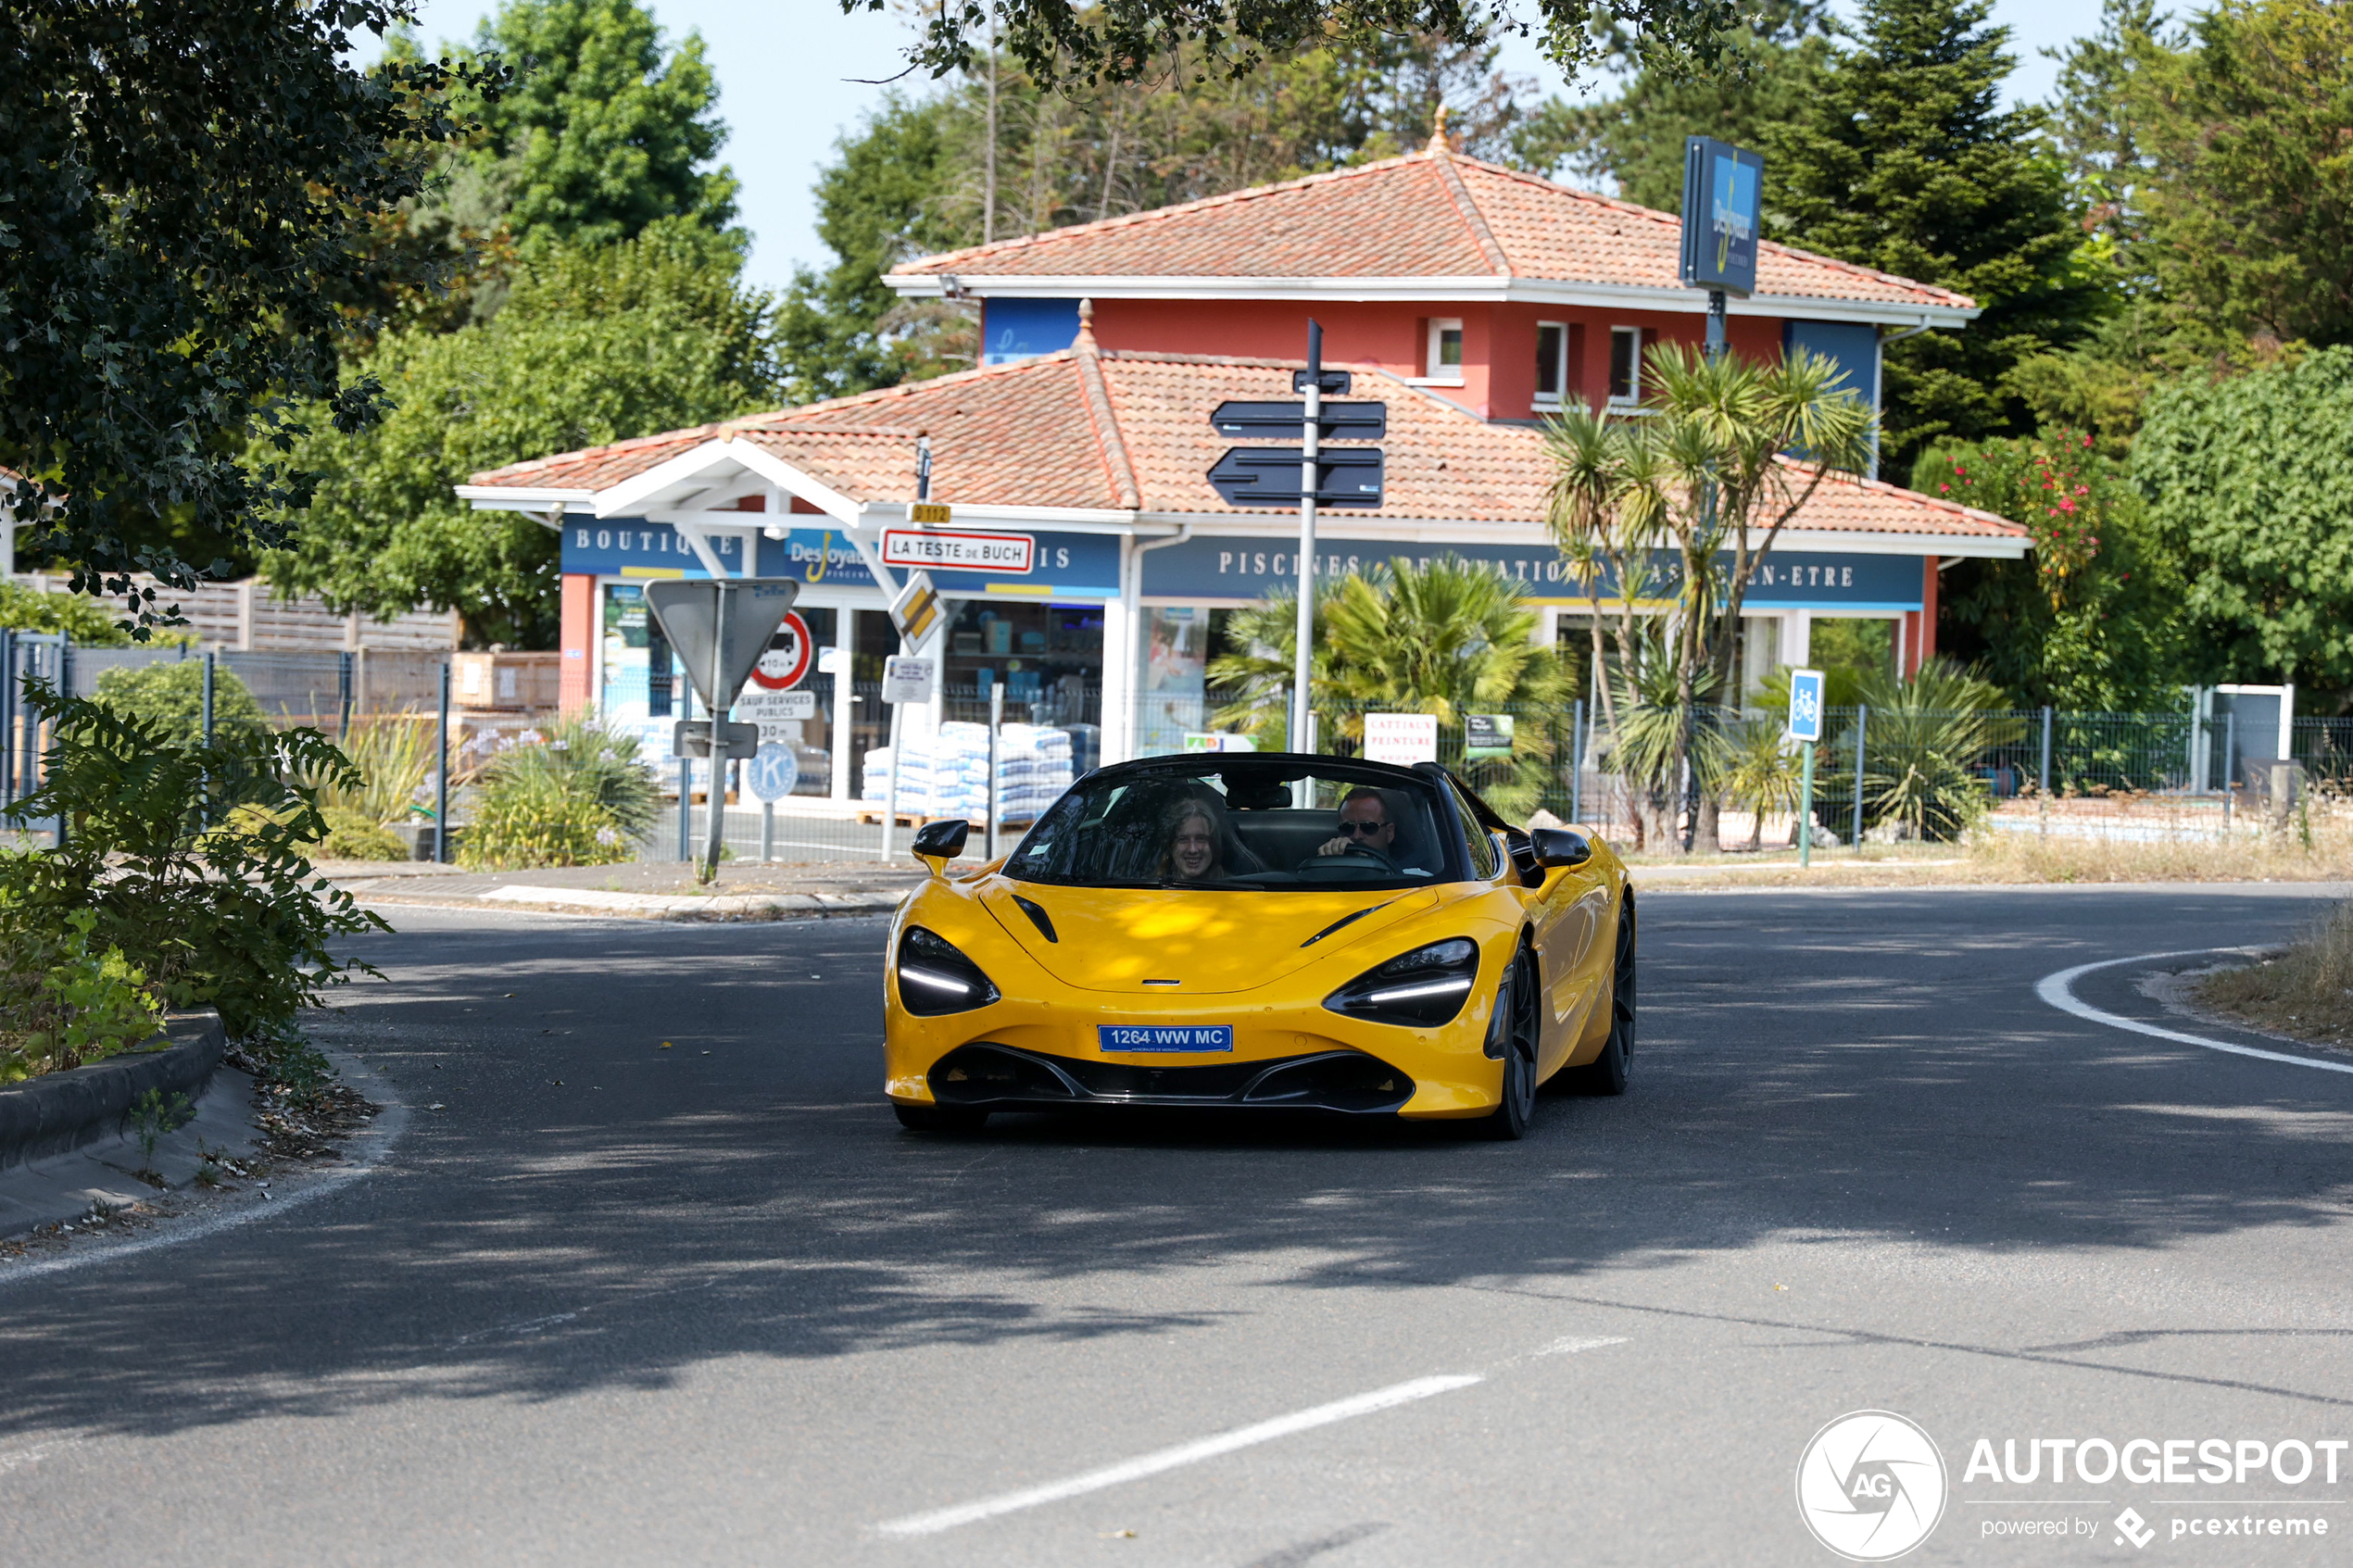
point(788, 656)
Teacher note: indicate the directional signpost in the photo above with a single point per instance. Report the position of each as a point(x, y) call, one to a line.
point(720, 627)
point(1806, 728)
point(1306, 476)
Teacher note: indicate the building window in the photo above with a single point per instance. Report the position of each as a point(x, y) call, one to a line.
point(1552, 362)
point(1445, 361)
point(1625, 366)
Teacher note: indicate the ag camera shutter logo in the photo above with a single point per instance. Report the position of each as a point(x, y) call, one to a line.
point(1872, 1485)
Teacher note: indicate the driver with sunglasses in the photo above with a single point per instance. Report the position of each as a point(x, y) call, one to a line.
point(1366, 825)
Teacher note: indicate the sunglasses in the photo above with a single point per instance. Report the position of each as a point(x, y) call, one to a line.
point(1367, 829)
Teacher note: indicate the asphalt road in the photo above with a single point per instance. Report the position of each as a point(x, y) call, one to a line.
point(620, 1304)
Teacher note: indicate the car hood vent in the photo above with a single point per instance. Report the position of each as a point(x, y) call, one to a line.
point(1122, 940)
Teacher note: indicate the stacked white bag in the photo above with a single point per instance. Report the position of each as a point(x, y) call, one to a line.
point(1033, 770)
point(946, 774)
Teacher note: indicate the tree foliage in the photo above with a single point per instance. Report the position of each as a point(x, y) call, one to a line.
point(593, 346)
point(1703, 481)
point(188, 188)
point(2248, 480)
point(999, 153)
point(1064, 42)
point(605, 131)
point(1905, 161)
point(1634, 138)
point(2089, 622)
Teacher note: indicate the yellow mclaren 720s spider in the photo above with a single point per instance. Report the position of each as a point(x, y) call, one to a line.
point(1269, 930)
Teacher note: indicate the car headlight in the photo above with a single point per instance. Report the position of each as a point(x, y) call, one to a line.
point(1423, 988)
point(934, 978)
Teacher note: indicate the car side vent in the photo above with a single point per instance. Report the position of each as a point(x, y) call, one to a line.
point(1036, 918)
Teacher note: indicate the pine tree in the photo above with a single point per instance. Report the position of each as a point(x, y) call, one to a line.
point(1906, 162)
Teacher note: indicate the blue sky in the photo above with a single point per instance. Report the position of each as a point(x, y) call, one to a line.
point(789, 69)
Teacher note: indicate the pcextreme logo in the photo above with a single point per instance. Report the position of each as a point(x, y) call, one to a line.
point(1870, 1486)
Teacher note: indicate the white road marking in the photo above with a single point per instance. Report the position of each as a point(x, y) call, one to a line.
point(1183, 1454)
point(1571, 1346)
point(2057, 990)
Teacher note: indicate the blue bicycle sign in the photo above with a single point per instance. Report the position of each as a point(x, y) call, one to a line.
point(1805, 705)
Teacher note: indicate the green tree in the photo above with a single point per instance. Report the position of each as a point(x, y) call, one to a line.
point(1449, 638)
point(191, 190)
point(2247, 479)
point(1635, 137)
point(2250, 208)
point(1702, 481)
point(1905, 161)
point(604, 132)
point(593, 346)
point(2091, 621)
point(1065, 41)
point(999, 153)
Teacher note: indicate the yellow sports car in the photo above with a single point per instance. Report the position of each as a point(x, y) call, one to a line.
point(1242, 930)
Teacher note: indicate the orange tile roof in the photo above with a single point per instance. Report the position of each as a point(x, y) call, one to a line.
point(1129, 432)
point(1420, 216)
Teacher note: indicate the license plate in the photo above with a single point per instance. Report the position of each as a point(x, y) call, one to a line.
point(1164, 1036)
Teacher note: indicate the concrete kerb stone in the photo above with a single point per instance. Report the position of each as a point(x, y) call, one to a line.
point(61, 1111)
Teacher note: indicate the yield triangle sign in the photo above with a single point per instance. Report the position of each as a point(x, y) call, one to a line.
point(725, 623)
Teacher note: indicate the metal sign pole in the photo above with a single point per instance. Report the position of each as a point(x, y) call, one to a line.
point(1806, 808)
point(1303, 660)
point(995, 728)
point(898, 770)
point(440, 769)
point(715, 837)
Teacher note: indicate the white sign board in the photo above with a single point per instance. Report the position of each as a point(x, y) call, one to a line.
point(1805, 705)
point(907, 679)
point(773, 712)
point(1402, 738)
point(770, 772)
point(959, 550)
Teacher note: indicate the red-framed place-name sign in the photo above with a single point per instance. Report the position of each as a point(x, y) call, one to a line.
point(940, 549)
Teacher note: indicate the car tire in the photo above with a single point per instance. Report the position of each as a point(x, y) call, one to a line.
point(940, 1118)
point(1516, 1004)
point(1607, 1073)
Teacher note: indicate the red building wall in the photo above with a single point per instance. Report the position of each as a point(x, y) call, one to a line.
point(1499, 341)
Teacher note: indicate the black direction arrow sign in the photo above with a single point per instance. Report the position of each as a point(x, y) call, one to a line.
point(1268, 476)
point(1287, 422)
point(1331, 384)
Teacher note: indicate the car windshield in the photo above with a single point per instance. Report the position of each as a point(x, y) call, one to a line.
point(1237, 822)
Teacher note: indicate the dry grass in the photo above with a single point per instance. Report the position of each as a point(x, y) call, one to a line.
point(2307, 991)
point(2013, 857)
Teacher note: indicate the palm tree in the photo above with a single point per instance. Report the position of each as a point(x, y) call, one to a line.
point(1927, 737)
point(1448, 639)
point(1691, 495)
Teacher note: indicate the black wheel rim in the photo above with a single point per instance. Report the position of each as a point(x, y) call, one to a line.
point(1520, 1063)
point(1623, 983)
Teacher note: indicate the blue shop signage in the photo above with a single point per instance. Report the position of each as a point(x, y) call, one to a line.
point(1236, 567)
point(1086, 564)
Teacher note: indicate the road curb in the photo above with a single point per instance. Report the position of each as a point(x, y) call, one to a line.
point(527, 900)
point(59, 1113)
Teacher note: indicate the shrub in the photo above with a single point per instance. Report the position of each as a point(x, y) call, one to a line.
point(1924, 740)
point(169, 696)
point(83, 617)
point(66, 1000)
point(353, 836)
point(392, 759)
point(579, 798)
point(231, 917)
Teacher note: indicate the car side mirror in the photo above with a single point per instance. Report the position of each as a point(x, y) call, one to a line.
point(1560, 846)
point(940, 842)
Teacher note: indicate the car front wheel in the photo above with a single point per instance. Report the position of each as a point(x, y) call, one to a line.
point(1514, 1037)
